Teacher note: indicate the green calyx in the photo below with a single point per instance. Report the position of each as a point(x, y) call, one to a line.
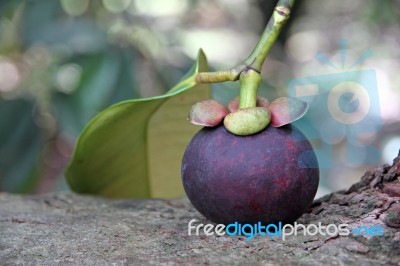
point(247, 121)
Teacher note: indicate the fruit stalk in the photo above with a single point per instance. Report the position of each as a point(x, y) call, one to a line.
point(249, 83)
point(250, 79)
point(257, 57)
point(275, 24)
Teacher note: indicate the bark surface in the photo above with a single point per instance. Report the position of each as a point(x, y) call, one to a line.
point(65, 228)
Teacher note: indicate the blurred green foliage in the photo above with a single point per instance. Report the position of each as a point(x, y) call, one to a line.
point(57, 70)
point(21, 144)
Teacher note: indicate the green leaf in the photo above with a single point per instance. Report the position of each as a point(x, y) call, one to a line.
point(133, 149)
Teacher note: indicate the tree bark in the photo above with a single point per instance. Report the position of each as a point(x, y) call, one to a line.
point(65, 228)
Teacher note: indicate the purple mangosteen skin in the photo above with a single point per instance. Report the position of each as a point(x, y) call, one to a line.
point(268, 177)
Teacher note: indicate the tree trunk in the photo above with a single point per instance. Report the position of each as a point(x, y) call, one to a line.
point(65, 228)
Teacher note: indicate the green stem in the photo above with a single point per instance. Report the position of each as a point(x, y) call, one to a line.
point(249, 83)
point(220, 76)
point(257, 57)
point(275, 24)
point(250, 78)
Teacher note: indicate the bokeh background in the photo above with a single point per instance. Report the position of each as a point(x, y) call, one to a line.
point(61, 62)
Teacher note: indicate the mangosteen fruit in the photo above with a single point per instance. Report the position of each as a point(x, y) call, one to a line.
point(271, 176)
